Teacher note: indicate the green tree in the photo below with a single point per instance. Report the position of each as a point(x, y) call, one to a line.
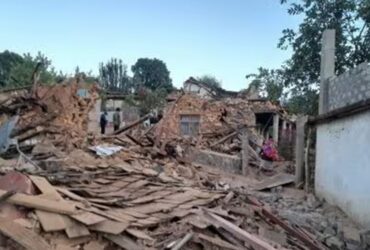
point(151, 99)
point(7, 61)
point(269, 83)
point(21, 73)
point(152, 74)
point(303, 103)
point(113, 76)
point(349, 18)
point(210, 81)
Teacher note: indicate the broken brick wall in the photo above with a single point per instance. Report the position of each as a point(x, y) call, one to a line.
point(215, 115)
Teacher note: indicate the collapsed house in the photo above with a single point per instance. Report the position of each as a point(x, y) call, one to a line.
point(213, 120)
point(77, 190)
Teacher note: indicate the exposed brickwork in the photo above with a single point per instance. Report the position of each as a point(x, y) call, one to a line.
point(211, 112)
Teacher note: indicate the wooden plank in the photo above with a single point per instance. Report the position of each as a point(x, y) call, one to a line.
point(107, 214)
point(139, 234)
point(133, 213)
point(229, 136)
point(151, 197)
point(88, 218)
point(50, 222)
point(250, 239)
point(69, 194)
point(24, 222)
point(109, 226)
point(44, 186)
point(275, 181)
point(123, 241)
point(64, 247)
point(31, 201)
point(94, 245)
point(137, 184)
point(24, 237)
point(75, 229)
point(150, 208)
point(295, 231)
point(183, 241)
point(62, 239)
point(218, 242)
point(245, 155)
point(131, 125)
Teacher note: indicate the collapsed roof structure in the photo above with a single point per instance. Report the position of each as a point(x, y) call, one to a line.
point(148, 193)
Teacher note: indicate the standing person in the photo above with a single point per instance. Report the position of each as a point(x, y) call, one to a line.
point(116, 119)
point(103, 122)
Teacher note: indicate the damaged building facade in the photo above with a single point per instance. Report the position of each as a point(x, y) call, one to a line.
point(343, 134)
point(205, 116)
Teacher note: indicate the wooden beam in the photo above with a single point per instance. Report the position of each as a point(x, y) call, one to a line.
point(239, 233)
point(183, 241)
point(245, 154)
point(296, 232)
point(24, 237)
point(131, 125)
point(32, 201)
point(231, 135)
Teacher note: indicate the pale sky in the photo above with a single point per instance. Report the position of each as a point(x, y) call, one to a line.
point(224, 38)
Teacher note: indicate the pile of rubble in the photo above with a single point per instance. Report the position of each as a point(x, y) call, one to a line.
point(53, 112)
point(135, 204)
point(134, 189)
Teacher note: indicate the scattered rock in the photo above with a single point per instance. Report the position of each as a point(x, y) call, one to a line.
point(351, 235)
point(334, 243)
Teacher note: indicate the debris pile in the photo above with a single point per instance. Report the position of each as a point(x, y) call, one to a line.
point(215, 117)
point(134, 206)
point(137, 190)
point(54, 112)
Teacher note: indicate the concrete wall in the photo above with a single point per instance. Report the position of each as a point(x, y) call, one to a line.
point(228, 163)
point(196, 89)
point(343, 165)
point(351, 87)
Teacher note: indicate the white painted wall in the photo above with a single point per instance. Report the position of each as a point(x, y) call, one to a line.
point(194, 88)
point(343, 165)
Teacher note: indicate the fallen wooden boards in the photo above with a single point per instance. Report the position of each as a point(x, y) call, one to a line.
point(218, 242)
point(252, 240)
point(275, 181)
point(295, 231)
point(50, 222)
point(40, 203)
point(24, 237)
point(108, 226)
point(123, 241)
point(131, 125)
point(88, 218)
point(75, 229)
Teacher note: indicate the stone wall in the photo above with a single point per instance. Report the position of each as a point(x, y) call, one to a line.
point(350, 87)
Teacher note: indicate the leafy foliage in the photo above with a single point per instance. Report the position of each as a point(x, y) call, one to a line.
point(210, 81)
point(349, 18)
point(152, 74)
point(299, 76)
point(7, 61)
point(151, 99)
point(113, 76)
point(268, 82)
point(20, 73)
point(303, 103)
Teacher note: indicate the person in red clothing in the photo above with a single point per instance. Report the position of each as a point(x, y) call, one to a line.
point(269, 151)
